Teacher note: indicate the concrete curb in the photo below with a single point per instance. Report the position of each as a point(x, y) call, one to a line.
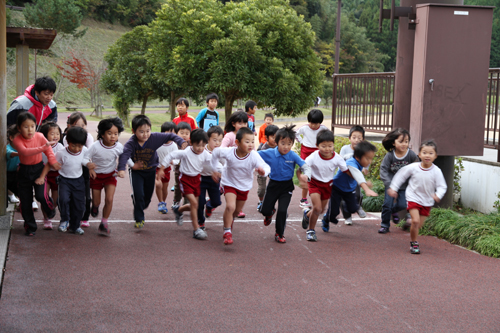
point(5, 226)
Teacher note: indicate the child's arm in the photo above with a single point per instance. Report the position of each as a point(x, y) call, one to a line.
point(385, 170)
point(41, 180)
point(11, 152)
point(128, 150)
point(441, 186)
point(262, 168)
point(174, 137)
point(25, 151)
point(178, 154)
point(360, 179)
point(201, 114)
point(305, 169)
point(216, 155)
point(399, 179)
point(299, 134)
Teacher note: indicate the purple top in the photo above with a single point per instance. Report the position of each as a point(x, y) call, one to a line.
point(147, 152)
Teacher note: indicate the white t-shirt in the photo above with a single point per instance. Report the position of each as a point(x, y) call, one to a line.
point(307, 136)
point(105, 158)
point(191, 163)
point(55, 149)
point(422, 185)
point(166, 149)
point(88, 143)
point(71, 164)
point(324, 169)
point(238, 171)
point(207, 169)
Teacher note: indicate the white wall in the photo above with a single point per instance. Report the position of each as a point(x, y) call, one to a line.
point(480, 184)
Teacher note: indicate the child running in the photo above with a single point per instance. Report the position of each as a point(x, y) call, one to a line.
point(52, 132)
point(250, 109)
point(12, 165)
point(323, 163)
point(101, 159)
point(182, 106)
point(268, 120)
point(399, 155)
point(71, 181)
point(270, 143)
point(30, 146)
point(306, 135)
point(282, 161)
point(192, 161)
point(183, 130)
point(237, 175)
point(426, 185)
point(141, 147)
point(163, 151)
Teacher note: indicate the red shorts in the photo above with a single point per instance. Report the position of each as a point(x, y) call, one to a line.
point(51, 180)
point(240, 195)
point(424, 211)
point(166, 177)
point(190, 184)
point(306, 151)
point(103, 179)
point(323, 189)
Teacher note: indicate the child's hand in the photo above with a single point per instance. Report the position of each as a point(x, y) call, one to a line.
point(260, 171)
point(92, 173)
point(436, 198)
point(184, 145)
point(14, 154)
point(40, 181)
point(216, 176)
point(51, 143)
point(138, 165)
point(91, 166)
point(121, 174)
point(371, 193)
point(160, 174)
point(392, 193)
point(365, 172)
point(303, 178)
point(56, 166)
point(369, 184)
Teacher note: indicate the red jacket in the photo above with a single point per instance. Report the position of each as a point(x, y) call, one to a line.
point(188, 119)
point(28, 102)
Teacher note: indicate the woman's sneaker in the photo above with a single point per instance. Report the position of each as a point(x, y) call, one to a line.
point(85, 224)
point(63, 226)
point(414, 248)
point(47, 224)
point(200, 234)
point(305, 219)
point(311, 236)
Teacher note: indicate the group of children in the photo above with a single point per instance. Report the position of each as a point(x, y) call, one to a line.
point(211, 161)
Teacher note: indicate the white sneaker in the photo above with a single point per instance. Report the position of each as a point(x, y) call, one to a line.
point(200, 234)
point(34, 206)
point(13, 199)
point(361, 213)
point(348, 221)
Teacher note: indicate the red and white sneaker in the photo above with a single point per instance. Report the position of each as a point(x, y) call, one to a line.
point(241, 215)
point(269, 219)
point(84, 224)
point(47, 225)
point(228, 238)
point(279, 239)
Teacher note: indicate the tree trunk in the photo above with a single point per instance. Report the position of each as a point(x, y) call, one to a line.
point(144, 102)
point(229, 105)
point(172, 105)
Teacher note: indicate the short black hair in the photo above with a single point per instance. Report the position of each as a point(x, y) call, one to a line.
point(271, 130)
point(168, 126)
point(45, 83)
point(212, 96)
point(140, 120)
point(357, 128)
point(392, 136)
point(249, 105)
point(23, 116)
point(269, 115)
point(362, 148)
point(238, 116)
point(11, 132)
point(285, 132)
point(76, 135)
point(315, 116)
point(215, 129)
point(198, 135)
point(46, 126)
point(106, 124)
point(325, 136)
point(182, 100)
point(242, 132)
point(183, 125)
point(429, 143)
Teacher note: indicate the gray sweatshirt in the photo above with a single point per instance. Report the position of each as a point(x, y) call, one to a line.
point(391, 164)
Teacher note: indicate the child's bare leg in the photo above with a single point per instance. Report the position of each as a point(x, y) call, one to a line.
point(109, 191)
point(159, 190)
point(415, 224)
point(317, 209)
point(239, 207)
point(229, 210)
point(192, 206)
point(96, 197)
point(303, 185)
point(165, 191)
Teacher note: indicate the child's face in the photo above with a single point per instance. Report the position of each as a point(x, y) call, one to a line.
point(27, 129)
point(239, 125)
point(181, 109)
point(199, 147)
point(110, 136)
point(75, 148)
point(326, 149)
point(214, 141)
point(246, 144)
point(79, 123)
point(142, 133)
point(212, 103)
point(314, 126)
point(366, 159)
point(427, 155)
point(355, 138)
point(268, 120)
point(185, 134)
point(285, 145)
point(53, 134)
point(271, 140)
point(252, 111)
point(401, 143)
point(45, 96)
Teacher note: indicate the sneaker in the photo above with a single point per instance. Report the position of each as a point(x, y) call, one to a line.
point(94, 211)
point(228, 238)
point(348, 221)
point(13, 199)
point(395, 218)
point(259, 205)
point(174, 203)
point(179, 217)
point(47, 225)
point(304, 203)
point(78, 231)
point(34, 205)
point(139, 225)
point(279, 239)
point(305, 219)
point(208, 212)
point(383, 230)
point(84, 224)
point(172, 189)
point(414, 248)
point(63, 226)
point(162, 208)
point(361, 213)
point(311, 236)
point(241, 215)
point(200, 234)
point(269, 219)
point(202, 226)
point(325, 225)
point(104, 229)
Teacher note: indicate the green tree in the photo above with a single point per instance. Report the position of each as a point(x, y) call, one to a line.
point(327, 90)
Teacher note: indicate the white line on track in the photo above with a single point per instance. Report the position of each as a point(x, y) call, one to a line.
point(212, 221)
